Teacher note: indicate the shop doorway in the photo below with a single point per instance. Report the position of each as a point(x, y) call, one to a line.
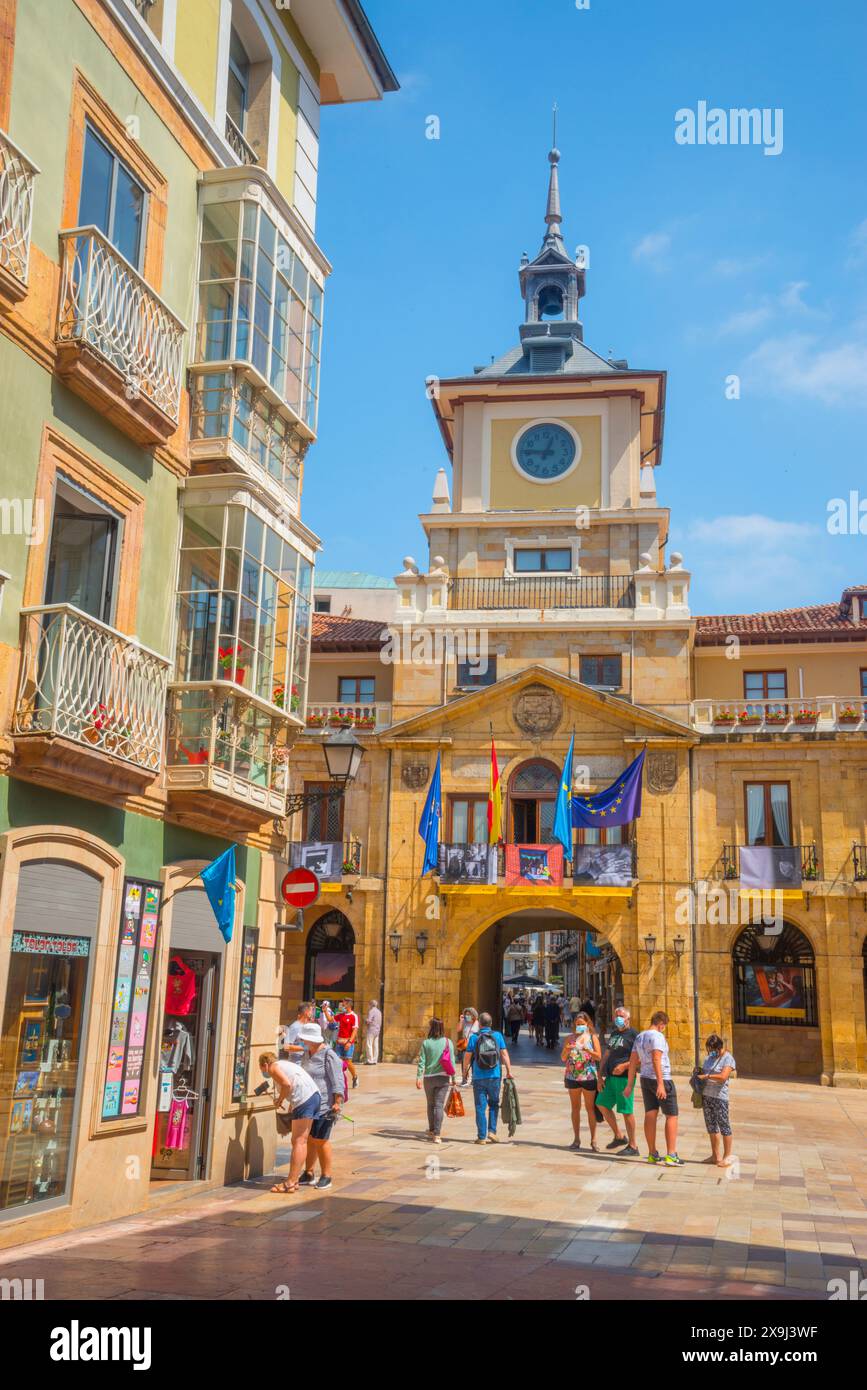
point(187, 1043)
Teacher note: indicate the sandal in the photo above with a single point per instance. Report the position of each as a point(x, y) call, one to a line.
point(594, 1148)
point(285, 1187)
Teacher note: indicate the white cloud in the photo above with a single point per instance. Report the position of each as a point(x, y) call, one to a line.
point(729, 266)
point(790, 298)
point(746, 321)
point(652, 248)
point(745, 530)
point(754, 563)
point(798, 364)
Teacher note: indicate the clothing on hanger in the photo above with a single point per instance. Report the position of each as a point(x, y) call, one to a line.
point(178, 1051)
point(180, 987)
point(178, 1127)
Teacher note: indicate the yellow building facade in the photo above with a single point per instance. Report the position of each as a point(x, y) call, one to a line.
point(549, 606)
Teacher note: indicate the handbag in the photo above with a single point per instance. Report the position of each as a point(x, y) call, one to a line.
point(454, 1106)
point(446, 1062)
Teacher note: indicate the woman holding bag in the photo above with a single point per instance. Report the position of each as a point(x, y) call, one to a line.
point(436, 1070)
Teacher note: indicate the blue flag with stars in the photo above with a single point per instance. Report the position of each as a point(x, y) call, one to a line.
point(429, 825)
point(562, 811)
point(617, 805)
point(219, 881)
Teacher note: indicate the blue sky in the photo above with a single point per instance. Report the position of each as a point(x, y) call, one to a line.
point(705, 261)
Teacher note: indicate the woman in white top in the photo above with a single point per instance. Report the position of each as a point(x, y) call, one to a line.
point(468, 1023)
point(297, 1102)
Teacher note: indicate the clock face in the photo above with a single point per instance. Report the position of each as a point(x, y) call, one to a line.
point(545, 452)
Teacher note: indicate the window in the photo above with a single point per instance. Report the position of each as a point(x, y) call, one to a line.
point(601, 671)
point(82, 553)
point(472, 675)
point(543, 561)
point(532, 802)
point(238, 89)
point(864, 683)
point(775, 978)
point(356, 690)
point(609, 835)
point(258, 304)
point(322, 604)
point(323, 820)
point(769, 813)
point(111, 198)
point(468, 820)
point(765, 685)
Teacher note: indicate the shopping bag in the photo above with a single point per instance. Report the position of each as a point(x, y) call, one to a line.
point(454, 1107)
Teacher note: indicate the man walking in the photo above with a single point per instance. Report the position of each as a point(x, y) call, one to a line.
point(650, 1059)
point(289, 1039)
point(347, 1037)
point(372, 1030)
point(514, 1018)
point(486, 1053)
point(617, 1043)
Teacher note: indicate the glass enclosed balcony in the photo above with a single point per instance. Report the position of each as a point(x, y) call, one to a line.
point(232, 422)
point(259, 305)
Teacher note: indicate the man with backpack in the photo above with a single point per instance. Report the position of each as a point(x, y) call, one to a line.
point(486, 1053)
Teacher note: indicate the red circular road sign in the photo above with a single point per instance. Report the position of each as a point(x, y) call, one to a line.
point(300, 888)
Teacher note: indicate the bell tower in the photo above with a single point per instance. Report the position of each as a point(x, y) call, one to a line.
point(551, 286)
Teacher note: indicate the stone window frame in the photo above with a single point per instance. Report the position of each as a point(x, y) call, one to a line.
point(543, 542)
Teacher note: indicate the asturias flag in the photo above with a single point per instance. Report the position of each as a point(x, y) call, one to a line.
point(429, 825)
point(219, 881)
point(617, 805)
point(563, 810)
point(495, 802)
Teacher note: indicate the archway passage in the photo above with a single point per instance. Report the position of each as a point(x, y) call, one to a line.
point(776, 1009)
point(329, 967)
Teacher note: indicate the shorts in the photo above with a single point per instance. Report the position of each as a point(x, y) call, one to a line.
point(651, 1100)
point(716, 1115)
point(308, 1109)
point(346, 1050)
point(612, 1098)
point(579, 1085)
point(323, 1125)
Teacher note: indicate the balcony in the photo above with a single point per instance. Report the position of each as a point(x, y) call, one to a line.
point(90, 711)
point(353, 868)
point(240, 147)
point(805, 862)
point(542, 592)
point(118, 345)
point(592, 871)
point(226, 764)
point(236, 428)
point(362, 719)
point(811, 714)
point(17, 176)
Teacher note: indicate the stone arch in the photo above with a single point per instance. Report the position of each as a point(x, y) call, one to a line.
point(775, 1003)
point(331, 935)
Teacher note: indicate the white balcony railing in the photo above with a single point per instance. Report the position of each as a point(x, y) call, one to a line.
point(17, 174)
point(824, 714)
point(239, 145)
point(361, 718)
point(106, 305)
point(83, 680)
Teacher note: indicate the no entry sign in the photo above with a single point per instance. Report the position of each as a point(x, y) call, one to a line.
point(300, 888)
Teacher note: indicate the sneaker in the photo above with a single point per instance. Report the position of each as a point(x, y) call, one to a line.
point(617, 1143)
point(672, 1161)
point(653, 1158)
point(492, 1139)
point(323, 1183)
point(436, 1139)
point(480, 1141)
point(629, 1152)
point(307, 1180)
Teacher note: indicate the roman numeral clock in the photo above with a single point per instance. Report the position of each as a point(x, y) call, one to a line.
point(546, 451)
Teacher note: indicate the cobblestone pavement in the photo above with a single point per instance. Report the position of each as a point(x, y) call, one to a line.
point(526, 1219)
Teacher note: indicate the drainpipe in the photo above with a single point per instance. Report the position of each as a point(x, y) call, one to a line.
point(385, 903)
point(692, 927)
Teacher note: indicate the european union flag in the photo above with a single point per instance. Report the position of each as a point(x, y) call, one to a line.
point(219, 881)
point(562, 811)
point(429, 825)
point(617, 805)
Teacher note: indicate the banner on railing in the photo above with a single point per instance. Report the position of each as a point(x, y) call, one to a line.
point(605, 866)
point(770, 866)
point(534, 866)
point(323, 857)
point(476, 863)
point(774, 990)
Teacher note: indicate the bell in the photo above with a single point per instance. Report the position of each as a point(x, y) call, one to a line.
point(550, 301)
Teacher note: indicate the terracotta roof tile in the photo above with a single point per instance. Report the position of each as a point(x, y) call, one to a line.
point(332, 632)
point(828, 622)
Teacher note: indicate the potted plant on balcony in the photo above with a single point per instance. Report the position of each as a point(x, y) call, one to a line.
point(316, 721)
point(805, 715)
point(350, 867)
point(748, 718)
point(810, 871)
point(278, 696)
point(294, 698)
point(341, 719)
point(723, 716)
point(776, 716)
point(101, 720)
point(227, 660)
point(849, 714)
point(365, 721)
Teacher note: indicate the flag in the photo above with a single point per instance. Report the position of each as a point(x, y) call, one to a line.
point(495, 802)
point(429, 825)
point(616, 805)
point(219, 881)
point(563, 809)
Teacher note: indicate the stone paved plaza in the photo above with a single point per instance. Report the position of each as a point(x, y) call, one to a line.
point(522, 1220)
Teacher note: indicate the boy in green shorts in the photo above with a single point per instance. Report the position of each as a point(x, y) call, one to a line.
point(617, 1045)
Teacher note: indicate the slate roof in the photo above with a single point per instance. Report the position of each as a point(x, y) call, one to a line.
point(818, 622)
point(581, 361)
point(332, 633)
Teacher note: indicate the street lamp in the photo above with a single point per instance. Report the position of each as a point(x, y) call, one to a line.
point(394, 940)
point(343, 755)
point(679, 945)
point(650, 946)
point(421, 943)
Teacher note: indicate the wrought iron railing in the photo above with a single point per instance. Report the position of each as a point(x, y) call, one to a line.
point(17, 175)
point(361, 718)
point(859, 860)
point(538, 592)
point(821, 712)
point(83, 680)
point(239, 145)
point(106, 306)
point(353, 860)
point(809, 855)
point(144, 7)
point(607, 869)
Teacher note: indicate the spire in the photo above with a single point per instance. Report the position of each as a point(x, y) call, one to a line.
point(553, 216)
point(552, 285)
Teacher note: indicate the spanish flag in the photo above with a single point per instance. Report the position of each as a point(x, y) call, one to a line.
point(495, 802)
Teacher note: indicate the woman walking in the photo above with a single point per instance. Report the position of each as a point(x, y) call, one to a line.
point(714, 1077)
point(298, 1102)
point(582, 1055)
point(539, 1020)
point(436, 1071)
point(468, 1023)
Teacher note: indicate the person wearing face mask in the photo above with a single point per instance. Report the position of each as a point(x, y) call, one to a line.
point(714, 1076)
point(468, 1023)
point(618, 1043)
point(649, 1058)
point(582, 1054)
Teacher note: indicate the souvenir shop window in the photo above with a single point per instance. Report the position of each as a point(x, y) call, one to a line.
point(131, 999)
point(244, 1029)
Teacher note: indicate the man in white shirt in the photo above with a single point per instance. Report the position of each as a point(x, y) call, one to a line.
point(649, 1058)
point(373, 1028)
point(289, 1037)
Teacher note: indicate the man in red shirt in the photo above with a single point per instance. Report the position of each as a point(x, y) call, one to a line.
point(347, 1037)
